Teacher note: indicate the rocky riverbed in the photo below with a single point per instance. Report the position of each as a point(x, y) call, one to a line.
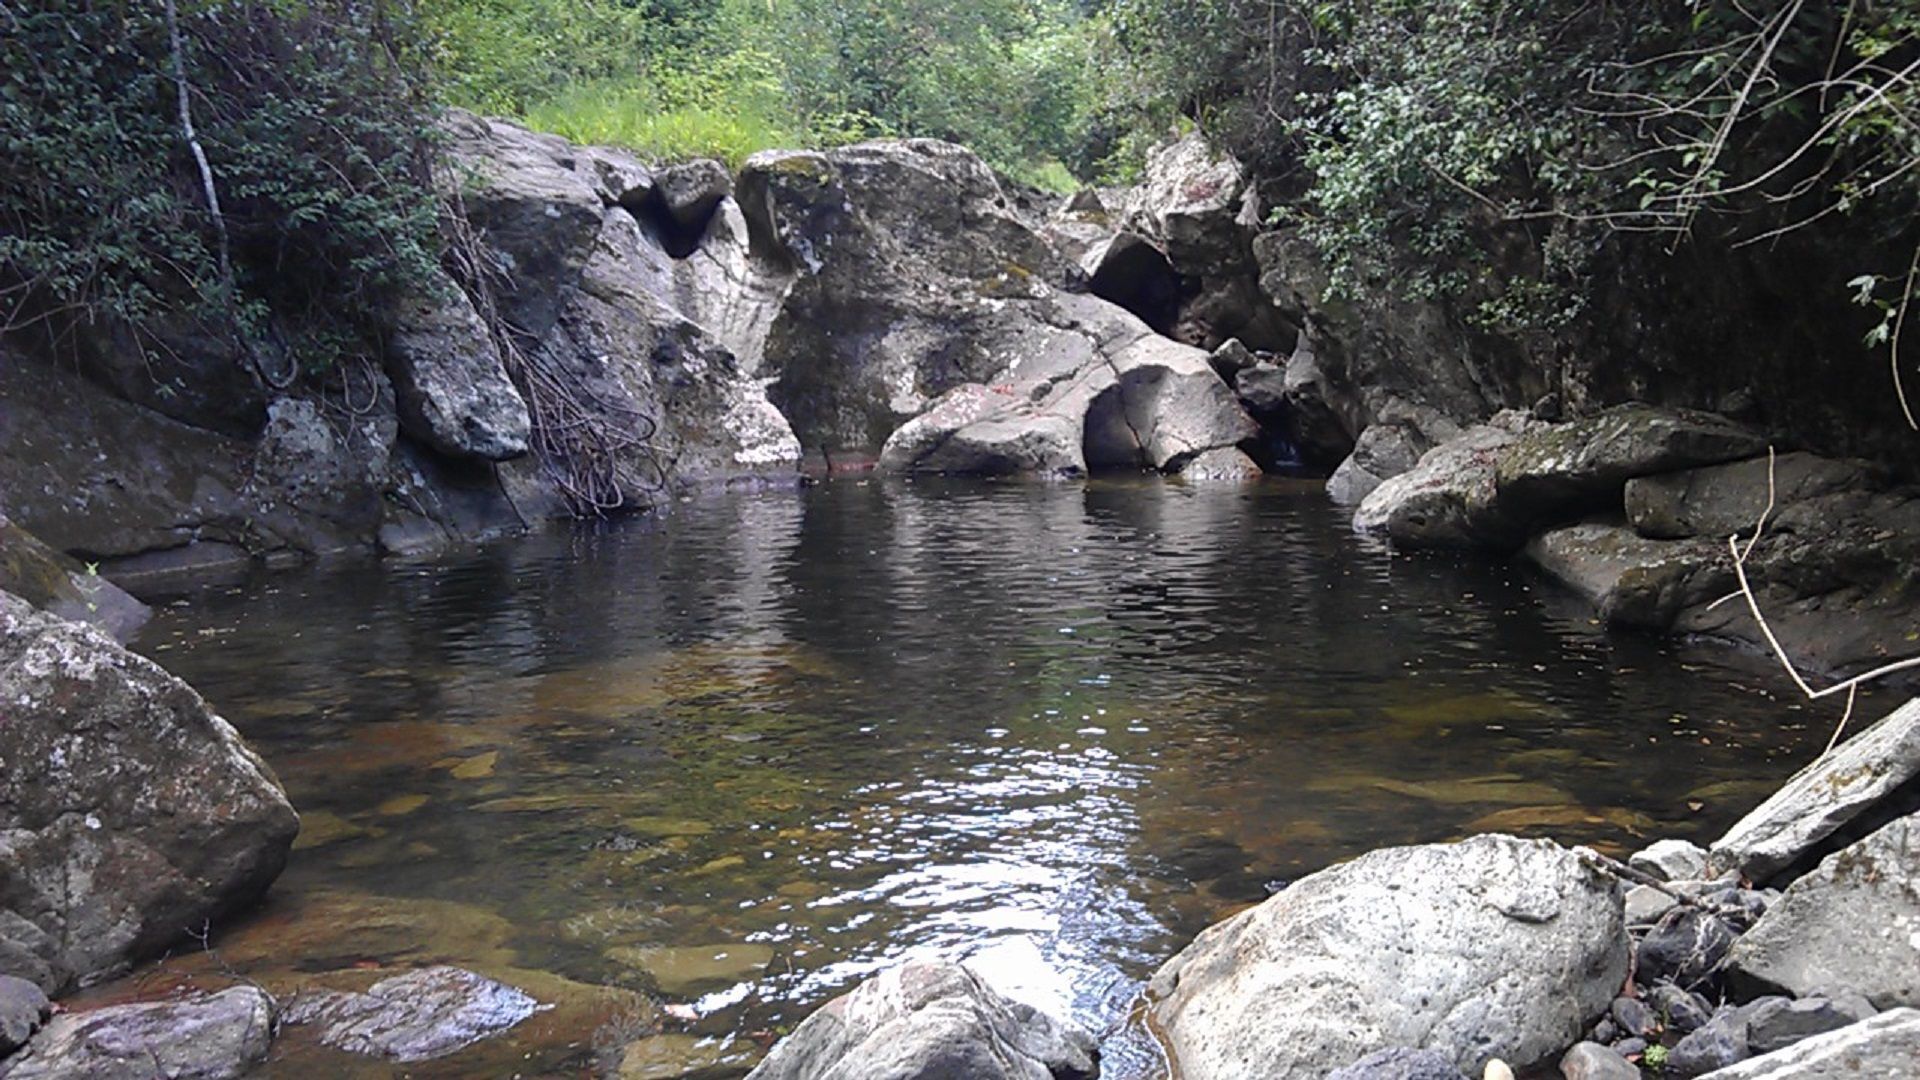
point(896, 307)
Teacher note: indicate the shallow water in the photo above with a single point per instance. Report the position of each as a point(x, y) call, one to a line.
point(742, 756)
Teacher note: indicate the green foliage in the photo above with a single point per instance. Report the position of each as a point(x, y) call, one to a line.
point(1407, 138)
point(316, 139)
point(1013, 79)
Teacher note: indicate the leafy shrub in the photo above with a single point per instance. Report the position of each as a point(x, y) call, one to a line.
point(313, 130)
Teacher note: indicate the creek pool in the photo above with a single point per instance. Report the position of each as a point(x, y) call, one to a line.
point(742, 754)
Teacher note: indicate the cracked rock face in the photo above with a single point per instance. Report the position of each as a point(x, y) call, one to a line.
point(1495, 947)
point(129, 812)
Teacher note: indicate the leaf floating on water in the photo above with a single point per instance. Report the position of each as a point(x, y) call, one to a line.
point(476, 768)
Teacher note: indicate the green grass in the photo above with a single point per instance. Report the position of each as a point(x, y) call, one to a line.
point(633, 116)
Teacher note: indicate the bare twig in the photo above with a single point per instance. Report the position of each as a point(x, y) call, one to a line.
point(1741, 553)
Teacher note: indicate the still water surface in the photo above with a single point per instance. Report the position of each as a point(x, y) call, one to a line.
point(744, 755)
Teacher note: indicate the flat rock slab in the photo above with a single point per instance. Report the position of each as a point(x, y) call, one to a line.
point(1721, 500)
point(1633, 581)
point(215, 1037)
point(1570, 469)
point(418, 1016)
point(1852, 924)
point(929, 1020)
point(1494, 947)
point(1886, 1045)
point(1823, 797)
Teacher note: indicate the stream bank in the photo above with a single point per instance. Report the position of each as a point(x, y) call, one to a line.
point(896, 306)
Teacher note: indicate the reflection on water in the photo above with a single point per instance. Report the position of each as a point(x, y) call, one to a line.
point(741, 757)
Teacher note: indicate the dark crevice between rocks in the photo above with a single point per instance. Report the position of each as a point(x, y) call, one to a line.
point(1110, 442)
point(1137, 276)
point(1896, 804)
point(678, 230)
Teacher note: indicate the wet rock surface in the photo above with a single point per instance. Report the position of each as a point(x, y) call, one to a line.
point(927, 1020)
point(129, 812)
point(212, 1037)
point(417, 1016)
point(1493, 947)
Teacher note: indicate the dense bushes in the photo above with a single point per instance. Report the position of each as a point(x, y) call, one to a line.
point(1400, 134)
point(1014, 79)
point(313, 131)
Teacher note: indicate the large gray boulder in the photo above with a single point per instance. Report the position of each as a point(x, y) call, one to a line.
point(1094, 389)
point(1196, 205)
point(1567, 470)
point(1823, 798)
point(930, 326)
point(213, 1037)
point(1494, 947)
point(929, 1021)
point(1450, 499)
point(130, 815)
point(1852, 924)
point(1886, 1045)
point(535, 201)
point(911, 274)
point(676, 407)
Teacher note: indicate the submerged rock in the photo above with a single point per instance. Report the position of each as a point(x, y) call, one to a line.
point(691, 970)
point(1851, 924)
point(216, 1037)
point(130, 815)
point(929, 1021)
point(1491, 948)
point(1824, 797)
point(418, 1016)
